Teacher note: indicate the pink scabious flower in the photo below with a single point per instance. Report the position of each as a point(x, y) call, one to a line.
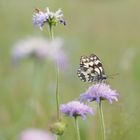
point(40, 48)
point(75, 109)
point(35, 134)
point(99, 92)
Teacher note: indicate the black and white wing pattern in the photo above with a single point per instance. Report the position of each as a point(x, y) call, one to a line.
point(91, 69)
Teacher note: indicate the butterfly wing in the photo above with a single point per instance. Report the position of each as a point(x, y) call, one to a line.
point(91, 69)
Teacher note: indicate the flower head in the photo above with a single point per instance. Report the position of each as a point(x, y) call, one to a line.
point(39, 18)
point(75, 108)
point(40, 48)
point(27, 47)
point(52, 18)
point(99, 92)
point(35, 134)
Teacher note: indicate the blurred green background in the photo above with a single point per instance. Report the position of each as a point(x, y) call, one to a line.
point(108, 28)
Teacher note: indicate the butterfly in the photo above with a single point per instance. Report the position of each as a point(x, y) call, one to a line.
point(91, 69)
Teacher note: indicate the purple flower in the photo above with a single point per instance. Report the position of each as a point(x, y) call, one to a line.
point(52, 18)
point(99, 92)
point(75, 108)
point(40, 48)
point(35, 134)
point(39, 18)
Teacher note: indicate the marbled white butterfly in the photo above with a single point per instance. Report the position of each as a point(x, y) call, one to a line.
point(91, 69)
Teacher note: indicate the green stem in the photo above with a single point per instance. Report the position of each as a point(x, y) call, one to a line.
point(102, 120)
point(57, 78)
point(57, 94)
point(51, 31)
point(77, 129)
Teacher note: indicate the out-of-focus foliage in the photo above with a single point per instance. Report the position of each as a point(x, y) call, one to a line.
point(108, 28)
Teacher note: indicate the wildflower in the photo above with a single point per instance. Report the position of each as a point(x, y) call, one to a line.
point(27, 47)
point(75, 109)
point(52, 18)
point(99, 92)
point(39, 18)
point(40, 48)
point(35, 134)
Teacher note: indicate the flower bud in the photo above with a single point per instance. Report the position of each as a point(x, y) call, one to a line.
point(58, 128)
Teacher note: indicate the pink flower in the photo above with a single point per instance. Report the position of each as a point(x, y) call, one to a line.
point(42, 49)
point(35, 134)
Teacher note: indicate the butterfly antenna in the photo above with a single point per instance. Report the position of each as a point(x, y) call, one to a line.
point(112, 75)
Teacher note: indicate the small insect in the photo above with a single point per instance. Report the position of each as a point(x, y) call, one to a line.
point(91, 69)
point(37, 10)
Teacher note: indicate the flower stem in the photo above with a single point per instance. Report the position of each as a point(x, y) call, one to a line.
point(51, 31)
point(77, 129)
point(102, 120)
point(57, 78)
point(57, 94)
